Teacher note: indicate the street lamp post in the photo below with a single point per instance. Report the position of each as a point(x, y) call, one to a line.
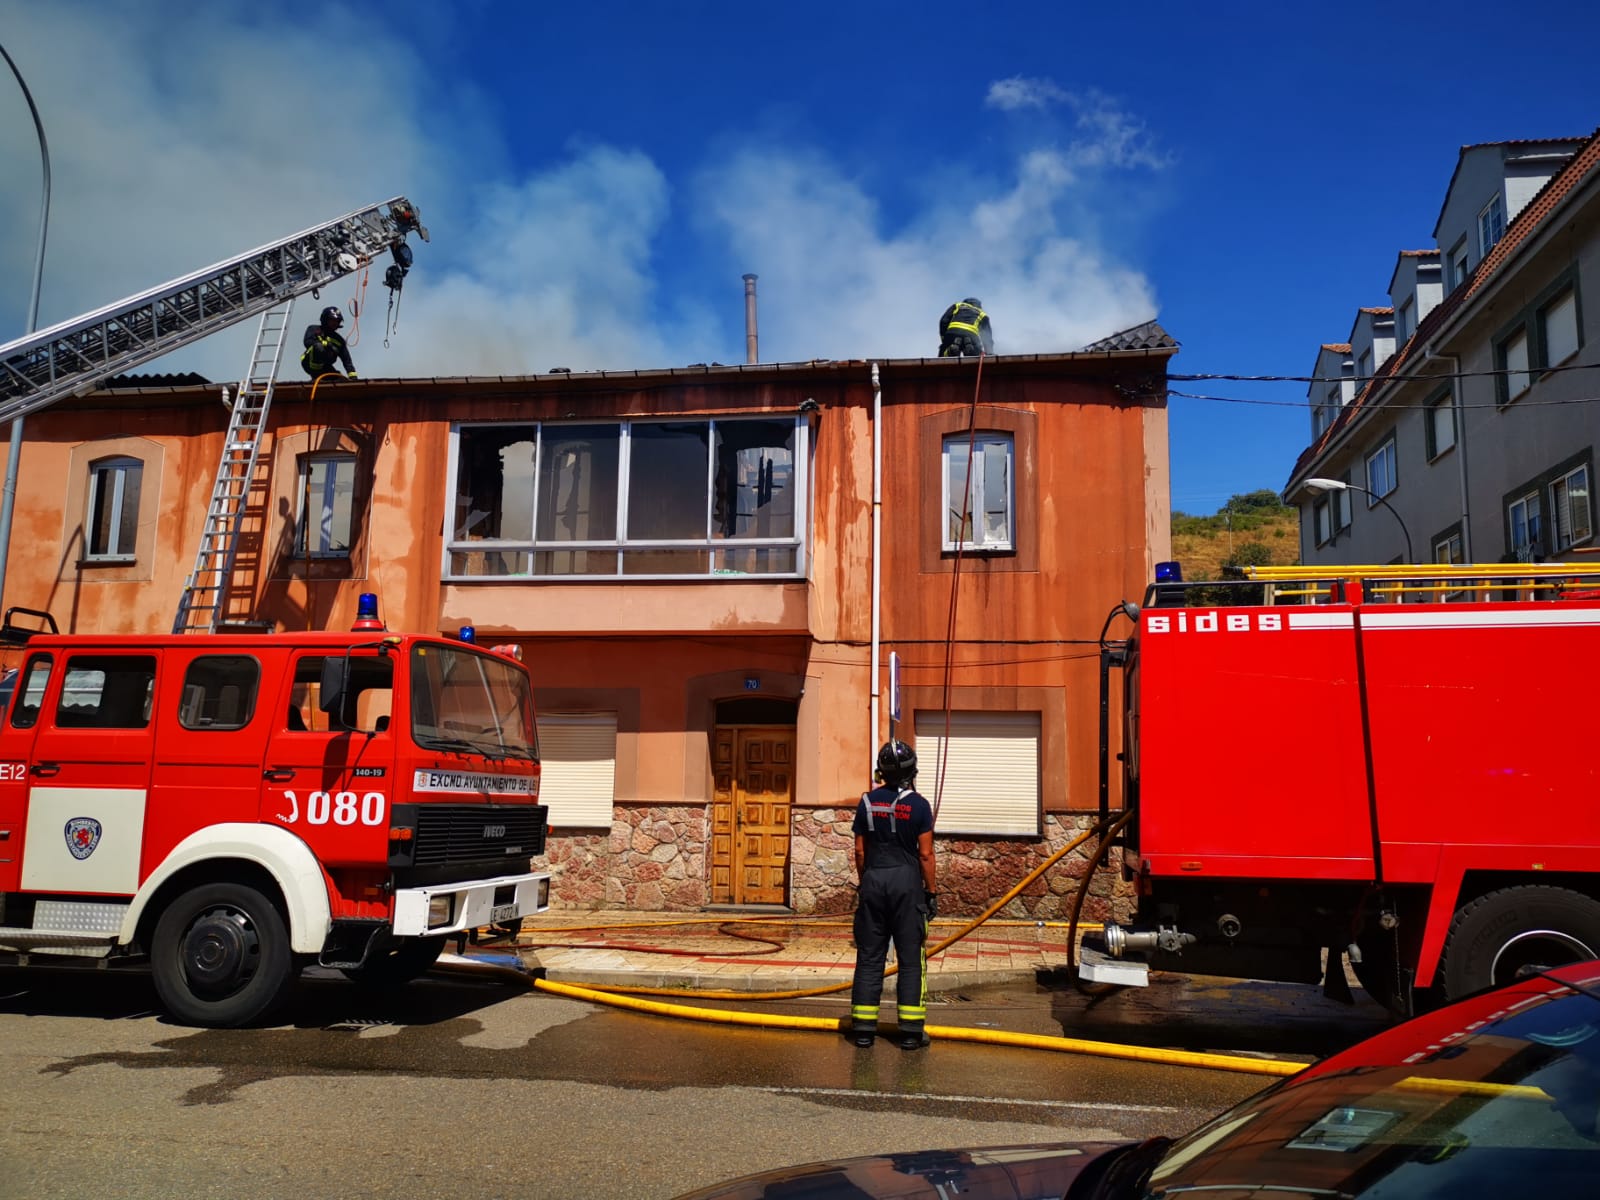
point(8, 497)
point(1339, 485)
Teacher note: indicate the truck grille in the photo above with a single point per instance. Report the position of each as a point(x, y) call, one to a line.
point(461, 833)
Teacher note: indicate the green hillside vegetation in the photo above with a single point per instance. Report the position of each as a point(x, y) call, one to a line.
point(1251, 529)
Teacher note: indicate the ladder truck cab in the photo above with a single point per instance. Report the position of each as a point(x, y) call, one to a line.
point(232, 808)
point(1387, 766)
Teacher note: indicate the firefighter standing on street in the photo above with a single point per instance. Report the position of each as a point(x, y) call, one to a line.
point(325, 346)
point(964, 330)
point(895, 868)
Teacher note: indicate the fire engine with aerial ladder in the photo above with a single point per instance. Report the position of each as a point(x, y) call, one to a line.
point(232, 808)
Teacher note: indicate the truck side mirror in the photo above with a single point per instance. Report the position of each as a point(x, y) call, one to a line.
point(333, 685)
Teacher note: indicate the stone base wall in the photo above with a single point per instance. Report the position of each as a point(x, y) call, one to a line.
point(654, 860)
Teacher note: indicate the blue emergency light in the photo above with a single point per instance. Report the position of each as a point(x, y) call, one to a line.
point(468, 634)
point(1169, 572)
point(367, 612)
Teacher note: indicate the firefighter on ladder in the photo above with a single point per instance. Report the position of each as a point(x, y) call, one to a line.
point(895, 901)
point(964, 330)
point(325, 346)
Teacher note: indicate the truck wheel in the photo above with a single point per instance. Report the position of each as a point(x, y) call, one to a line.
point(399, 962)
point(1515, 931)
point(220, 956)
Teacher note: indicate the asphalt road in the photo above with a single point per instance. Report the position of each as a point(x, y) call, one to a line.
point(457, 1087)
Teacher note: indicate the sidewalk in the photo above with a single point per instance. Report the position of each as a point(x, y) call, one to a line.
point(733, 951)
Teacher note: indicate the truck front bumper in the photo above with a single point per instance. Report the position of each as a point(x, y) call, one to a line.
point(451, 907)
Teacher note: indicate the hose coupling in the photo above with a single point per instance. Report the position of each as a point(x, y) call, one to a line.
point(1166, 937)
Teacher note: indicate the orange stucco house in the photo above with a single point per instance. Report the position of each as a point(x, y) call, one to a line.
point(707, 570)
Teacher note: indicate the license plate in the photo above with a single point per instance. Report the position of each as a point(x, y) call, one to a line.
point(503, 912)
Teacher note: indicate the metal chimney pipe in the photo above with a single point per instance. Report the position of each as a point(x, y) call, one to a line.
point(750, 354)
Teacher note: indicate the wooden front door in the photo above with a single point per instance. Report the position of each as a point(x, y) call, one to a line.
point(753, 771)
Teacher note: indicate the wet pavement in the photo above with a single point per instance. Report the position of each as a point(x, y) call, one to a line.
point(1004, 975)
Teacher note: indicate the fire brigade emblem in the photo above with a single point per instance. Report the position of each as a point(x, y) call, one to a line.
point(83, 835)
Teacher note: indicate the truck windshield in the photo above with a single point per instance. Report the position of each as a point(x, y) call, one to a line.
point(463, 699)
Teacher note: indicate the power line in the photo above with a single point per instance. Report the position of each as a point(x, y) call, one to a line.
point(1495, 404)
point(1498, 371)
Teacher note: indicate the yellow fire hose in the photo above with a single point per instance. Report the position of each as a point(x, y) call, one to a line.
point(992, 1037)
point(953, 1033)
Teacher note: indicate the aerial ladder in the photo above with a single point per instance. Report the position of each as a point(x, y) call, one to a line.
point(74, 357)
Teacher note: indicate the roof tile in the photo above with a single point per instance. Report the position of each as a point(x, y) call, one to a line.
point(1149, 336)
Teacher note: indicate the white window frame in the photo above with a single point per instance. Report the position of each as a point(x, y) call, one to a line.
point(1555, 356)
point(1460, 264)
point(325, 502)
point(578, 768)
point(1443, 407)
point(1526, 511)
point(1565, 532)
point(1491, 225)
point(1518, 377)
point(991, 774)
point(112, 473)
point(520, 552)
point(1385, 459)
point(1321, 522)
point(950, 507)
point(1340, 503)
point(1404, 326)
point(1364, 369)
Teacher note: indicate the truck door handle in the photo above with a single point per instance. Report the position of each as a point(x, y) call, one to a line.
point(278, 774)
point(45, 768)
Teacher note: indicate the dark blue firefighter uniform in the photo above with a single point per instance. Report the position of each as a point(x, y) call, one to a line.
point(891, 907)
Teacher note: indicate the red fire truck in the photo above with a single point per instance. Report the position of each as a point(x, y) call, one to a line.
point(1367, 767)
point(234, 807)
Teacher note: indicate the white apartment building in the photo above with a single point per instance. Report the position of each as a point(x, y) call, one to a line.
point(1462, 417)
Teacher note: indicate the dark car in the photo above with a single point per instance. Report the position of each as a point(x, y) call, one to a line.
point(1492, 1096)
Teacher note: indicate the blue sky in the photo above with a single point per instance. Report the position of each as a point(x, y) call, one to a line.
point(598, 177)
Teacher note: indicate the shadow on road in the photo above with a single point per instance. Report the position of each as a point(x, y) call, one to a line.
point(321, 999)
point(1199, 1012)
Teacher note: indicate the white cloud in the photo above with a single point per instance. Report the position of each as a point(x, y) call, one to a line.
point(1018, 92)
point(1111, 136)
point(838, 282)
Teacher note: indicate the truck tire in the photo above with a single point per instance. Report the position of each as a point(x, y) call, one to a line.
point(1514, 931)
point(397, 962)
point(220, 957)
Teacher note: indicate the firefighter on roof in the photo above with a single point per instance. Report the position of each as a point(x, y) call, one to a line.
point(964, 330)
point(325, 346)
point(895, 867)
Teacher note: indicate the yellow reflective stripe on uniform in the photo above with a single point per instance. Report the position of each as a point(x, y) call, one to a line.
point(965, 326)
point(863, 1012)
point(914, 1012)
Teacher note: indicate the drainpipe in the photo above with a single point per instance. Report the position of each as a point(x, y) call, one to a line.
point(877, 557)
point(1458, 415)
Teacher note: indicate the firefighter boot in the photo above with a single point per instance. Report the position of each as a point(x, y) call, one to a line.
point(912, 1038)
point(863, 1029)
